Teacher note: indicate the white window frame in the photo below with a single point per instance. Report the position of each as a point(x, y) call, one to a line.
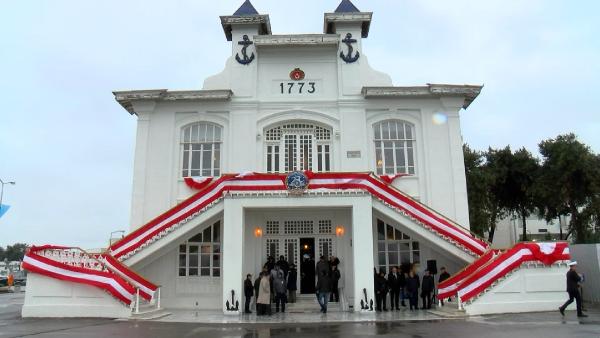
point(414, 246)
point(397, 144)
point(213, 253)
point(196, 139)
point(318, 138)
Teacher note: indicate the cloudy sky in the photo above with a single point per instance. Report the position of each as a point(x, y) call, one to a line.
point(69, 145)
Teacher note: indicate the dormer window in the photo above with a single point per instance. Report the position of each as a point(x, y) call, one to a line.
point(298, 146)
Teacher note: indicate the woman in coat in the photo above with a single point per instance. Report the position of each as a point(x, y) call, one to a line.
point(264, 295)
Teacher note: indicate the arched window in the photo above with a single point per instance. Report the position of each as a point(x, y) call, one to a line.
point(394, 147)
point(298, 146)
point(201, 150)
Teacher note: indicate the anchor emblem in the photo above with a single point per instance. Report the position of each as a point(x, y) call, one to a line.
point(349, 58)
point(246, 60)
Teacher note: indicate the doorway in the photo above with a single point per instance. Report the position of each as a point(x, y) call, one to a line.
point(307, 266)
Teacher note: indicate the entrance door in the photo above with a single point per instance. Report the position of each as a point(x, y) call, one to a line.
point(307, 265)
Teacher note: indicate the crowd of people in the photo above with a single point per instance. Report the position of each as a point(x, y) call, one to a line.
point(277, 284)
point(404, 286)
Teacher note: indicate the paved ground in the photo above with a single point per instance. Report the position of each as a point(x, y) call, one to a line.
point(546, 325)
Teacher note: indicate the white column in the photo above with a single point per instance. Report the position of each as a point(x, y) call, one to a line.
point(362, 250)
point(233, 242)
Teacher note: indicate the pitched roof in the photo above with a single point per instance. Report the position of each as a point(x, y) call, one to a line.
point(246, 9)
point(346, 6)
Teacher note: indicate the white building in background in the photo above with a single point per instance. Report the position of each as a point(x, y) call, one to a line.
point(510, 230)
point(288, 103)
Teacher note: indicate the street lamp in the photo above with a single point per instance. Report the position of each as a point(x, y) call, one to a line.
point(2, 183)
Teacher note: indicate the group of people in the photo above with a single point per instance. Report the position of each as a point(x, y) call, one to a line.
point(403, 286)
point(277, 283)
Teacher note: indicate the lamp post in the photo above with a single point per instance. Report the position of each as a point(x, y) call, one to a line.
point(115, 232)
point(2, 183)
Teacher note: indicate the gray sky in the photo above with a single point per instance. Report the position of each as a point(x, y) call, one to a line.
point(69, 145)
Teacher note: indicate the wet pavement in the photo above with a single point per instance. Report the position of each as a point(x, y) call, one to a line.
point(546, 325)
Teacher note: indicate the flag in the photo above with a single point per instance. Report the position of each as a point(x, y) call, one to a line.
point(3, 209)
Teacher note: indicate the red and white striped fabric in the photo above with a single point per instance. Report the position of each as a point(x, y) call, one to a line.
point(146, 288)
point(500, 266)
point(214, 190)
point(450, 286)
point(88, 273)
point(197, 183)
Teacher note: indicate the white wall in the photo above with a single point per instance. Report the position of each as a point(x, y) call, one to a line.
point(49, 297)
point(528, 289)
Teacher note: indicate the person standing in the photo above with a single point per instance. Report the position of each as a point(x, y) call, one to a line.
point(323, 289)
point(280, 288)
point(412, 288)
point(394, 282)
point(248, 292)
point(335, 278)
point(263, 300)
point(443, 276)
point(426, 289)
point(283, 265)
point(573, 280)
point(322, 265)
point(292, 283)
point(381, 289)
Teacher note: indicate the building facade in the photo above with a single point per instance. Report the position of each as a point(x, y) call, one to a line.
point(306, 103)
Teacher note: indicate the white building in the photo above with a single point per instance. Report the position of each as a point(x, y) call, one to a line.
point(288, 103)
point(509, 230)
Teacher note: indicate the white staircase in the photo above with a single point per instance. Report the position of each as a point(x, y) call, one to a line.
point(309, 304)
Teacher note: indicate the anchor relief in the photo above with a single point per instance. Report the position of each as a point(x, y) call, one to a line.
point(348, 40)
point(245, 59)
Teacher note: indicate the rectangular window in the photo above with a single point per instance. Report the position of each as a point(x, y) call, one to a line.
point(394, 247)
point(201, 254)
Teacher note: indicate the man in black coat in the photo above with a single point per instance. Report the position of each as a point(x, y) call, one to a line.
point(426, 289)
point(396, 282)
point(573, 280)
point(335, 279)
point(412, 289)
point(283, 265)
point(443, 276)
point(248, 292)
point(381, 290)
point(292, 284)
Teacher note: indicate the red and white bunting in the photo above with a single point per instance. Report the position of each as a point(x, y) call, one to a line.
point(147, 289)
point(106, 280)
point(249, 181)
point(501, 265)
point(450, 286)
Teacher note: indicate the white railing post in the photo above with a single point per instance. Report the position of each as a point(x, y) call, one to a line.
point(137, 300)
point(158, 298)
point(460, 304)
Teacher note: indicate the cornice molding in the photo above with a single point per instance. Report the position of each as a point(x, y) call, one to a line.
point(228, 21)
point(297, 40)
point(364, 18)
point(469, 92)
point(127, 98)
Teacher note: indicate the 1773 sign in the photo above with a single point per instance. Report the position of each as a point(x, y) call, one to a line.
point(297, 87)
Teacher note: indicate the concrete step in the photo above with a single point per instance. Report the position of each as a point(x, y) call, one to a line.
point(148, 312)
point(309, 304)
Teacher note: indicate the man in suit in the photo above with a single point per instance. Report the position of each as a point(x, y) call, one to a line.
point(396, 282)
point(573, 280)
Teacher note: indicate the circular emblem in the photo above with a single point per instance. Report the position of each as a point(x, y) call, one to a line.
point(296, 182)
point(297, 74)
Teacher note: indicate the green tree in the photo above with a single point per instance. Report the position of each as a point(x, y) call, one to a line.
point(569, 185)
point(2, 253)
point(15, 252)
point(476, 190)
